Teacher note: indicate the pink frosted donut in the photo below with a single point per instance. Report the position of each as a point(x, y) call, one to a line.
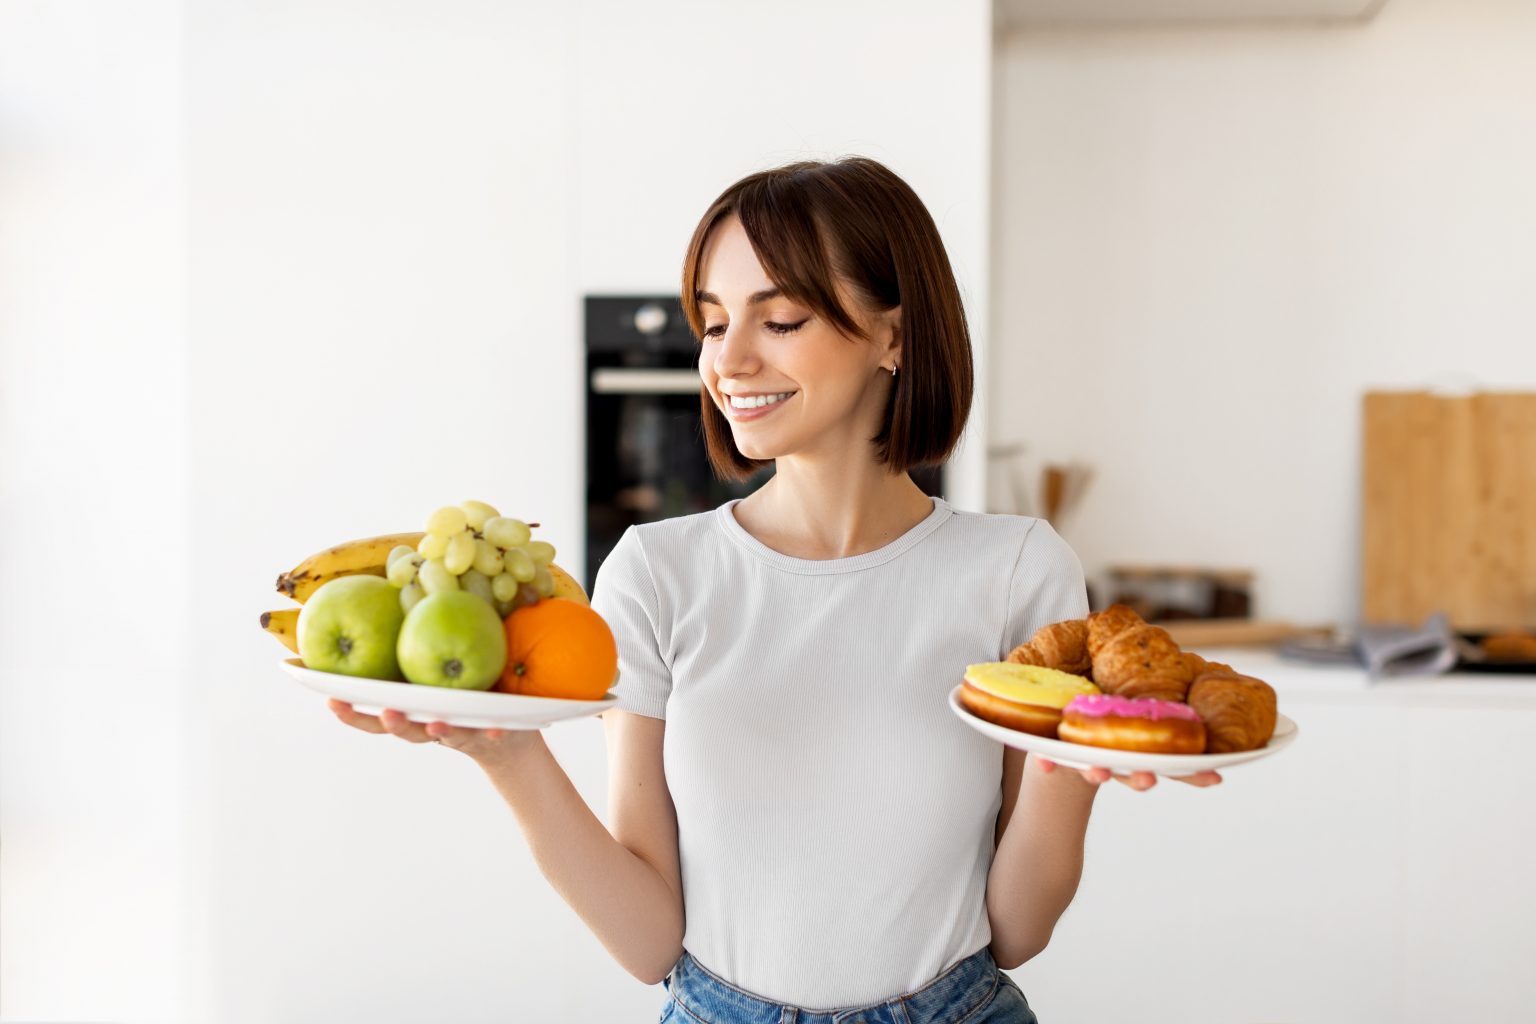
point(1123, 723)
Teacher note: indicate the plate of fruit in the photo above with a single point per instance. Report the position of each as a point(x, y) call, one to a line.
point(1113, 691)
point(469, 622)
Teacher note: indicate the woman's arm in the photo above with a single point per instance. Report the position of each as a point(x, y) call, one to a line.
point(626, 884)
point(1038, 862)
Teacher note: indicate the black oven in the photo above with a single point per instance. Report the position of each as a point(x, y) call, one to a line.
point(645, 440)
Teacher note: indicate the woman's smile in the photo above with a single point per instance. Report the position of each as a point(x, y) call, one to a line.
point(756, 407)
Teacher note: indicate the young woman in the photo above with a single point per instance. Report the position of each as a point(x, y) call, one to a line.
point(799, 828)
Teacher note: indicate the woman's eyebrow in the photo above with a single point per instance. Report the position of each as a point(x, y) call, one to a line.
point(763, 296)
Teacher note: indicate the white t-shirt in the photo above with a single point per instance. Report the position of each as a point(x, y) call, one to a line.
point(835, 819)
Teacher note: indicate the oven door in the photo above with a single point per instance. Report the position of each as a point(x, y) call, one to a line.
point(646, 458)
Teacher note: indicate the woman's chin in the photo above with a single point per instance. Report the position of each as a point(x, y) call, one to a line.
point(754, 448)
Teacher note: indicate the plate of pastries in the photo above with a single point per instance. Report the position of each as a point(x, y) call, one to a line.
point(1113, 691)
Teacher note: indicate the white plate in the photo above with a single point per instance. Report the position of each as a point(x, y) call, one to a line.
point(1078, 755)
point(473, 709)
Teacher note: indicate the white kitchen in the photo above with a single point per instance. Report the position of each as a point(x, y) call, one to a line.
point(1249, 292)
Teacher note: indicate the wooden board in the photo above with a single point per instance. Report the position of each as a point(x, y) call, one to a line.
point(1449, 506)
point(1195, 634)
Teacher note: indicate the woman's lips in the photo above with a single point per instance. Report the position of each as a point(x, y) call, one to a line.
point(756, 413)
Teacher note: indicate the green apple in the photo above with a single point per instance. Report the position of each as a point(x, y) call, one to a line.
point(453, 638)
point(351, 625)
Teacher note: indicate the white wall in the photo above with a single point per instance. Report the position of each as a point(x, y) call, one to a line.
point(382, 319)
point(677, 100)
point(1212, 241)
point(315, 269)
point(94, 513)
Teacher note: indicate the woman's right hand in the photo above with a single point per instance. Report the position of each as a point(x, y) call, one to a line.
point(480, 744)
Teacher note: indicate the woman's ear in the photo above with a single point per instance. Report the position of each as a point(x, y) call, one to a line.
point(893, 343)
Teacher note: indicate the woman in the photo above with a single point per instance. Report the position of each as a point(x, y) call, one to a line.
point(782, 760)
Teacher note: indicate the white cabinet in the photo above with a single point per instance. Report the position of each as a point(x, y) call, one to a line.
point(1378, 870)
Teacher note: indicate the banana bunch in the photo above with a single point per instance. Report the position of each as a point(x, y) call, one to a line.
point(283, 624)
point(366, 556)
point(350, 559)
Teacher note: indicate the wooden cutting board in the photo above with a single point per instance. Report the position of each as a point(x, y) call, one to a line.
point(1450, 508)
point(1198, 634)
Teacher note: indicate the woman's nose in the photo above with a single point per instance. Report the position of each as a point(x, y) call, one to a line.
point(734, 354)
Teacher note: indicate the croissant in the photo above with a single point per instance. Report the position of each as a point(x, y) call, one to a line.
point(1198, 666)
point(1061, 645)
point(1142, 661)
point(1102, 626)
point(1239, 711)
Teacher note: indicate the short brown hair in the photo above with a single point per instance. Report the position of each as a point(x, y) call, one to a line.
point(856, 220)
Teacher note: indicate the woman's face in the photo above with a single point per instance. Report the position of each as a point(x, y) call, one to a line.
point(758, 343)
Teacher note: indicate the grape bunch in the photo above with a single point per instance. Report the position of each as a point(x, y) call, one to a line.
point(473, 547)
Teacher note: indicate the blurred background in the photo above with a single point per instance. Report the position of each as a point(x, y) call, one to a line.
point(1250, 285)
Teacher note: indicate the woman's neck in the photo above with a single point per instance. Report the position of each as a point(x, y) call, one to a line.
point(819, 514)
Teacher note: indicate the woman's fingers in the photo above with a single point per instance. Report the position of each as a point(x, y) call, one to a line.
point(343, 711)
point(1093, 775)
point(1200, 779)
point(396, 724)
point(1138, 781)
point(453, 736)
point(386, 721)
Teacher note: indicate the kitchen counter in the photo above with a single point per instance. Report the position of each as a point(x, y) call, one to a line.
point(1378, 869)
point(1308, 681)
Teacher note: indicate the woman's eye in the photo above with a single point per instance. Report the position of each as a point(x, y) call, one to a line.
point(769, 325)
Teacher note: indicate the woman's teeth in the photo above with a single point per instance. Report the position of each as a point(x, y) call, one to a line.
point(757, 400)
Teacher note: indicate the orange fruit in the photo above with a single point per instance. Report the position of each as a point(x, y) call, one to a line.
point(558, 648)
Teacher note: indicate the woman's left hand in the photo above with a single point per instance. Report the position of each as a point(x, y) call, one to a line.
point(1136, 780)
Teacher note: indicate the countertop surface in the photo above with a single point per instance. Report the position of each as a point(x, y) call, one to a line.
point(1304, 680)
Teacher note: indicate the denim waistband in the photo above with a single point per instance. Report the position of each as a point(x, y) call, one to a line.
point(948, 999)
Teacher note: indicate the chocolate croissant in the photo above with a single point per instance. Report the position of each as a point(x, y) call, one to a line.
point(1061, 645)
point(1239, 711)
point(1142, 661)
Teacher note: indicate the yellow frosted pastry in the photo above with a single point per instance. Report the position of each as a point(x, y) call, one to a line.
point(1028, 684)
point(1028, 698)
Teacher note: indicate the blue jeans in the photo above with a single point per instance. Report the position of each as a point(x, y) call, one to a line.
point(973, 991)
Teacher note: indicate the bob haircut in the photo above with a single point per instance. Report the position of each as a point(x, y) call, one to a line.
point(854, 220)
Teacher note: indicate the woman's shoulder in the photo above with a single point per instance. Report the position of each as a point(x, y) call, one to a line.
point(1011, 540)
point(662, 541)
point(673, 532)
point(998, 527)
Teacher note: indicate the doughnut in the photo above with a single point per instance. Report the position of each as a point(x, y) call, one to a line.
point(1028, 698)
point(1121, 723)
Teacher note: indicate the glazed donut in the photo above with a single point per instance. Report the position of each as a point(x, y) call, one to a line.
point(1028, 698)
point(1122, 723)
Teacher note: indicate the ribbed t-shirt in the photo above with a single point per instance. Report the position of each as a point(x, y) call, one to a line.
point(835, 818)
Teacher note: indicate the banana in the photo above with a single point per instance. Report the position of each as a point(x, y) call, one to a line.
point(350, 559)
point(284, 625)
point(566, 585)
